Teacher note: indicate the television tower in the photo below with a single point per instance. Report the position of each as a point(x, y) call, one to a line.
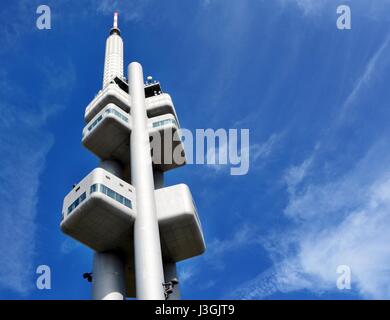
point(138, 228)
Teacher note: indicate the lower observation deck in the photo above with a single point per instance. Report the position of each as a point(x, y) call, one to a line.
point(98, 210)
point(100, 213)
point(107, 135)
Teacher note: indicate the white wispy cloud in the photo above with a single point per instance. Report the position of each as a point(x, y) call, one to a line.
point(282, 278)
point(23, 161)
point(342, 221)
point(17, 16)
point(364, 79)
point(217, 249)
point(308, 7)
point(24, 146)
point(69, 245)
point(130, 11)
point(186, 274)
point(258, 154)
point(215, 256)
point(335, 218)
point(263, 151)
point(295, 175)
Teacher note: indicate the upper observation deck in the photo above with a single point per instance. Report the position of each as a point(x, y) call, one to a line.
point(107, 135)
point(157, 103)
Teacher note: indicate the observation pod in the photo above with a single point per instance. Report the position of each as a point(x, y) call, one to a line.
point(116, 92)
point(107, 135)
point(99, 212)
point(112, 93)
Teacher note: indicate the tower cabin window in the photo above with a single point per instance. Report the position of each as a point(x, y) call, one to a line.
point(122, 83)
point(152, 89)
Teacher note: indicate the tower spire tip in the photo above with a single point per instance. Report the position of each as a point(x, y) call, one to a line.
point(116, 20)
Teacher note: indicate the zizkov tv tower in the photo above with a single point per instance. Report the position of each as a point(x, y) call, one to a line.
point(138, 228)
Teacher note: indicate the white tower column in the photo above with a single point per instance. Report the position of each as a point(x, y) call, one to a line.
point(108, 277)
point(113, 61)
point(108, 267)
point(149, 272)
point(112, 166)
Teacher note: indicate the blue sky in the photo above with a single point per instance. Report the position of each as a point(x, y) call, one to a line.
point(314, 98)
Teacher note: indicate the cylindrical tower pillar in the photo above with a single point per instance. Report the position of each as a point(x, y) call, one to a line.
point(158, 177)
point(170, 273)
point(108, 267)
point(108, 277)
point(113, 167)
point(149, 272)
